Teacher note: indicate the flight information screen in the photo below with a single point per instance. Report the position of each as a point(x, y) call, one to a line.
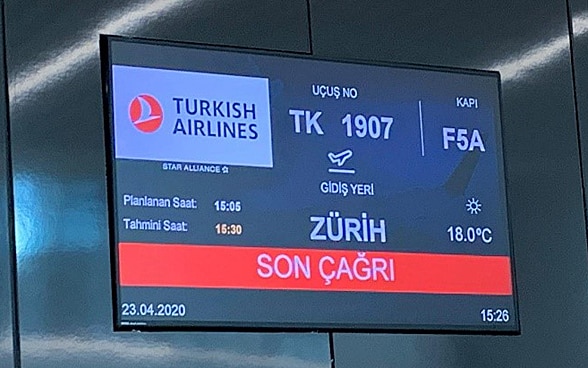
point(255, 190)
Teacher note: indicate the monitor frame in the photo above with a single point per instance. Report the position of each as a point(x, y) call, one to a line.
point(106, 72)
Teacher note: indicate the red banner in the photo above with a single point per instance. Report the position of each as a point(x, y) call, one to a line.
point(268, 268)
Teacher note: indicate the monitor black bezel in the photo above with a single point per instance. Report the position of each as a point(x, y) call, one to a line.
point(167, 326)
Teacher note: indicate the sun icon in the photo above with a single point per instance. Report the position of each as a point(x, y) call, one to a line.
point(473, 206)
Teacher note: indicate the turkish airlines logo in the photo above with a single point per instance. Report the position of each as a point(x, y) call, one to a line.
point(146, 113)
point(184, 120)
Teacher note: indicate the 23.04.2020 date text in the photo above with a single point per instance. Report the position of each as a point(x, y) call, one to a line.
point(153, 310)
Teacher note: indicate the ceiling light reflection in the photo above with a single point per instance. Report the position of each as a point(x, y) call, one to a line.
point(105, 349)
point(528, 62)
point(41, 74)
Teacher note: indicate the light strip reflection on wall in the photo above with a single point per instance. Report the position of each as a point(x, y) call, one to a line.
point(100, 350)
point(63, 63)
point(541, 55)
point(41, 74)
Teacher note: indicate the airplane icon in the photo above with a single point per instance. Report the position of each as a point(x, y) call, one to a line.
point(340, 158)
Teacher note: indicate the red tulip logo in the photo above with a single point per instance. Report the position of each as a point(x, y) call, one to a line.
point(146, 113)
